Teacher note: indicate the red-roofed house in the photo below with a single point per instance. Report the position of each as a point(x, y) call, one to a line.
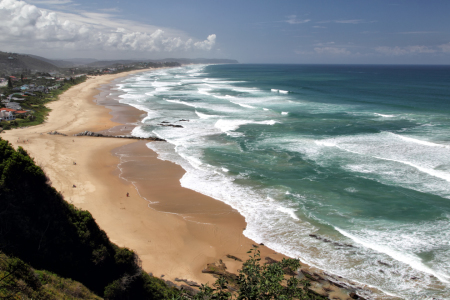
point(7, 109)
point(21, 112)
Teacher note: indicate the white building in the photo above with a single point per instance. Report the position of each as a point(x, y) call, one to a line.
point(6, 115)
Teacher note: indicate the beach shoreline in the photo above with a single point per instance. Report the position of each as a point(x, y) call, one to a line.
point(175, 231)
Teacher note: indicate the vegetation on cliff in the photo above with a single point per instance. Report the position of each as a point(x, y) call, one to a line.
point(40, 228)
point(44, 239)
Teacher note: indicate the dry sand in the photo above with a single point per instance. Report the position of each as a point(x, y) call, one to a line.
point(174, 230)
point(194, 229)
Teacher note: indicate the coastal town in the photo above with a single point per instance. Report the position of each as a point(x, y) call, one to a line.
point(25, 91)
point(23, 98)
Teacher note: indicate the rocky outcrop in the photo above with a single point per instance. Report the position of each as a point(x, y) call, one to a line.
point(90, 133)
point(188, 282)
point(56, 133)
point(170, 125)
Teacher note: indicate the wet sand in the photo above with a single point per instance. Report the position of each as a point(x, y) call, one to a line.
point(191, 229)
point(174, 230)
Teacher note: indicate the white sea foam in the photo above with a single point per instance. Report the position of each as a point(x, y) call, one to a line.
point(429, 158)
point(265, 108)
point(205, 116)
point(224, 97)
point(226, 125)
point(274, 90)
point(421, 142)
point(182, 102)
point(406, 258)
point(242, 104)
point(138, 131)
point(204, 91)
point(283, 92)
point(284, 113)
point(289, 211)
point(267, 220)
point(384, 116)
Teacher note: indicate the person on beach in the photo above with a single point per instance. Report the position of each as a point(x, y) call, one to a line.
point(128, 194)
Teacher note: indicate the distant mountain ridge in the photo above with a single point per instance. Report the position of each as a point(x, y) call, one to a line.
point(19, 63)
point(14, 63)
point(106, 63)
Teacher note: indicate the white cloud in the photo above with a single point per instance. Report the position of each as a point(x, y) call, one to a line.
point(353, 21)
point(404, 50)
point(112, 9)
point(332, 50)
point(206, 44)
point(445, 48)
point(25, 25)
point(417, 32)
point(50, 2)
point(349, 21)
point(293, 20)
point(324, 44)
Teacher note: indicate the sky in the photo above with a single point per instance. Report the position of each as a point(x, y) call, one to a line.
point(251, 31)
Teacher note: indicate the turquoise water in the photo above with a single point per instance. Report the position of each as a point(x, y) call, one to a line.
point(357, 155)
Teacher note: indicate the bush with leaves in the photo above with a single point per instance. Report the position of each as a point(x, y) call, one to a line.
point(256, 282)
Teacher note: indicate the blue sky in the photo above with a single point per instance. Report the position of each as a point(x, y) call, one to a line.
point(387, 32)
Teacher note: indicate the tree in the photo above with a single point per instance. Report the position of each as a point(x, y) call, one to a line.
point(256, 281)
point(21, 77)
point(10, 84)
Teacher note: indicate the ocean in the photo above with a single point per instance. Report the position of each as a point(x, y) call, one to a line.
point(346, 167)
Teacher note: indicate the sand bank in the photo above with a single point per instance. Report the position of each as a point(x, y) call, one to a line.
point(175, 231)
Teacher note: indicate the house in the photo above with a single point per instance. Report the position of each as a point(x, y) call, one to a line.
point(21, 113)
point(7, 114)
point(13, 105)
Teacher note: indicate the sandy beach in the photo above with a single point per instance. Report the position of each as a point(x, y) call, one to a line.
point(174, 230)
point(192, 230)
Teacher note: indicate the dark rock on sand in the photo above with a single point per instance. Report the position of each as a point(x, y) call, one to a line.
point(56, 133)
point(171, 125)
point(188, 282)
point(270, 260)
point(189, 290)
point(383, 263)
point(171, 284)
point(234, 257)
point(353, 295)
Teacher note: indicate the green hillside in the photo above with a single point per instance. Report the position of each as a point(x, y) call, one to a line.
point(38, 227)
